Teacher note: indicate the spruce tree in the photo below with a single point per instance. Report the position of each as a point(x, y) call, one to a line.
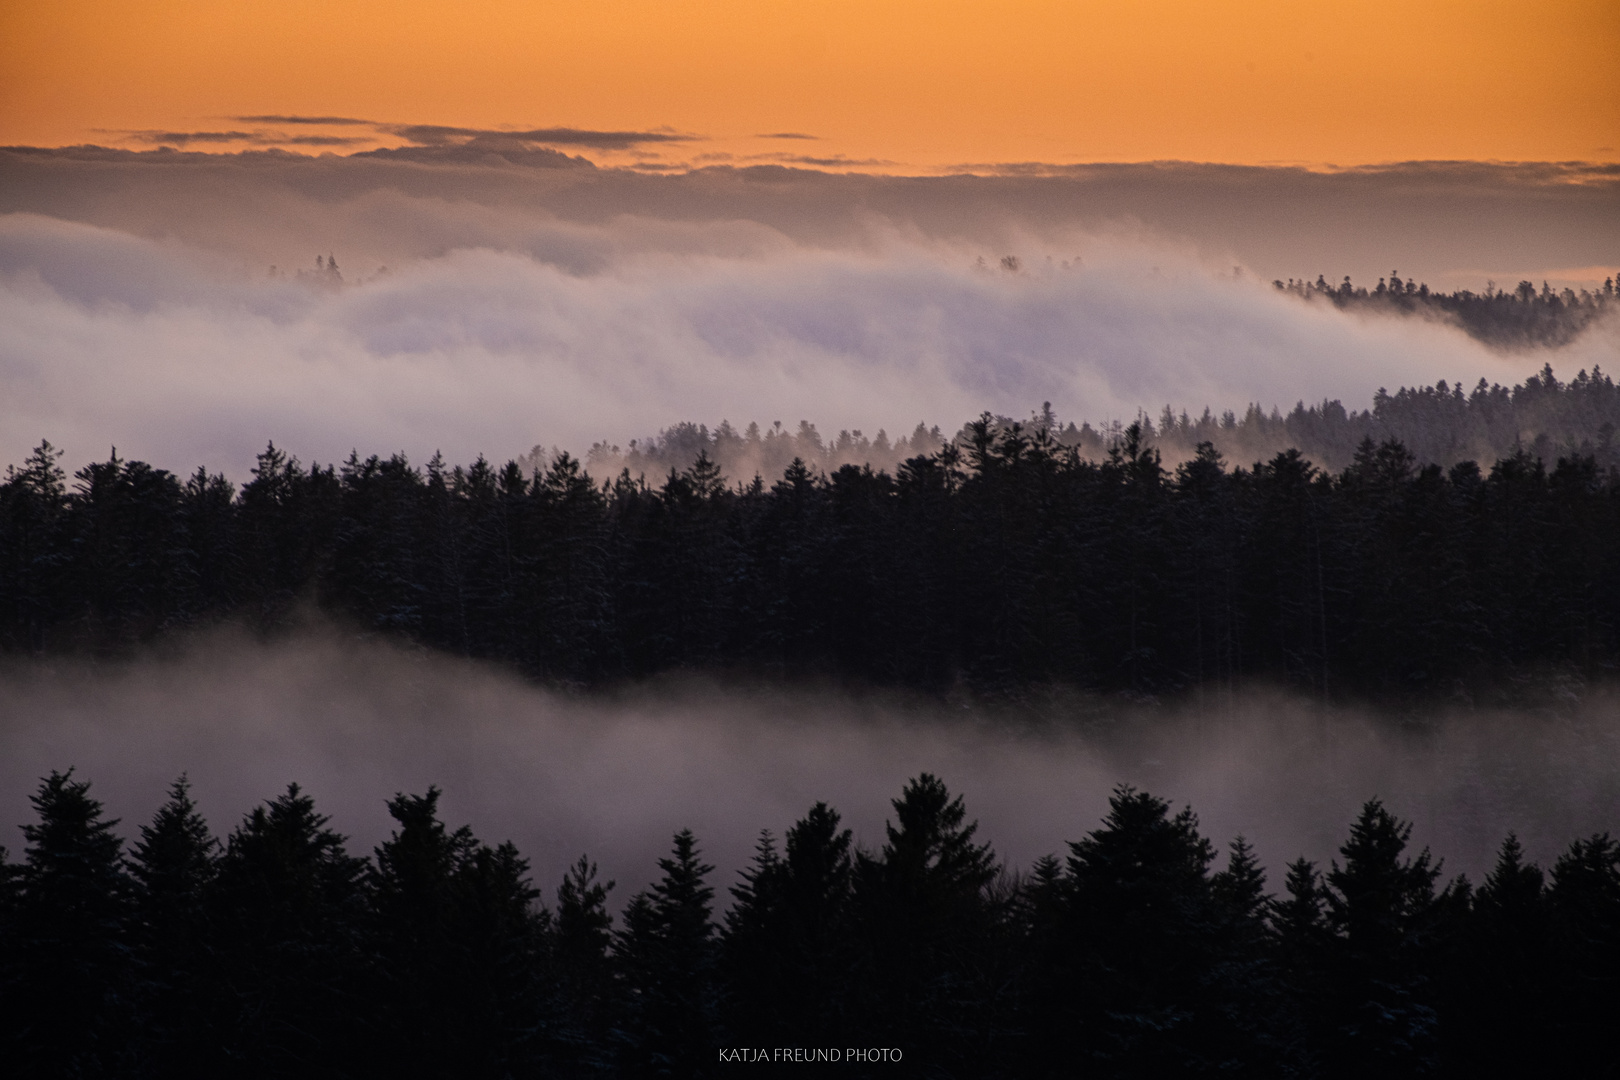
point(664, 955)
point(932, 932)
point(1585, 909)
point(173, 865)
point(458, 947)
point(71, 993)
point(286, 913)
point(787, 951)
point(1386, 923)
point(582, 973)
point(1496, 1011)
point(1153, 965)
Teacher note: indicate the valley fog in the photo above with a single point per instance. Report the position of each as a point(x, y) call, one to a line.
point(614, 775)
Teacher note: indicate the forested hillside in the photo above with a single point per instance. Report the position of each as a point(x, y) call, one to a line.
point(1440, 424)
point(1520, 319)
point(999, 563)
point(1138, 952)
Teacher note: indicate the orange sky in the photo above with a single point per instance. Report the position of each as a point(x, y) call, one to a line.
point(921, 85)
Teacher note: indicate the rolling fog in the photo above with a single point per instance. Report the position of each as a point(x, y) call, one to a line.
point(614, 776)
point(524, 306)
point(483, 307)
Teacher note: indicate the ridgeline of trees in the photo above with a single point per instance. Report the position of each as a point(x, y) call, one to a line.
point(1001, 564)
point(1440, 424)
point(279, 953)
point(1521, 319)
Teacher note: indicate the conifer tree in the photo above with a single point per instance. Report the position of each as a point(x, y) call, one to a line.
point(287, 913)
point(173, 864)
point(1496, 1010)
point(664, 954)
point(582, 934)
point(1386, 923)
point(459, 950)
point(788, 961)
point(930, 929)
point(1585, 908)
point(72, 987)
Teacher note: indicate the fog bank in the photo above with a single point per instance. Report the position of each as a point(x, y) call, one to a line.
point(180, 357)
point(616, 775)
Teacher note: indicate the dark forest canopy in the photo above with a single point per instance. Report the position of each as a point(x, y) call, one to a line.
point(1140, 951)
point(1520, 319)
point(1002, 562)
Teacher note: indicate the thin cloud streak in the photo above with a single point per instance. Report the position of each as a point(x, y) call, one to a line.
point(331, 121)
point(439, 135)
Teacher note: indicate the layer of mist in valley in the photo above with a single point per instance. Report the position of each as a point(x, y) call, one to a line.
point(614, 775)
point(482, 307)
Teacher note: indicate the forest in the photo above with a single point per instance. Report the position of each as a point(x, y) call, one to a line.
point(1440, 424)
point(1002, 562)
point(1139, 952)
point(1520, 319)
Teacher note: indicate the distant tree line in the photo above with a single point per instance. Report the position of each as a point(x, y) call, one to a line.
point(1440, 424)
point(1520, 319)
point(1009, 563)
point(280, 953)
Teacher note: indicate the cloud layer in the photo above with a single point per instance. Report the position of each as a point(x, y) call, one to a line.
point(616, 776)
point(581, 334)
point(526, 305)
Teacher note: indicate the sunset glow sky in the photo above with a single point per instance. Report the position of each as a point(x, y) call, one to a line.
point(893, 85)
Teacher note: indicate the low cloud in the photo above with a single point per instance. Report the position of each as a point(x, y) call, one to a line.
point(569, 304)
point(573, 334)
point(616, 775)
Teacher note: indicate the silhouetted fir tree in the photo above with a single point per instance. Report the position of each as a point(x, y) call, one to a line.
point(1206, 530)
point(788, 602)
point(1288, 570)
point(788, 960)
point(375, 561)
point(572, 603)
point(287, 521)
point(33, 549)
point(434, 996)
point(1150, 958)
point(1303, 946)
point(1585, 906)
point(209, 519)
point(858, 579)
point(1247, 983)
point(1498, 1011)
point(70, 991)
point(504, 936)
point(287, 914)
point(132, 563)
point(173, 865)
point(664, 956)
point(1387, 925)
point(932, 969)
point(582, 973)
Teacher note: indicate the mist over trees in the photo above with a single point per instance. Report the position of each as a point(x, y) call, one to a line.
point(1442, 424)
point(1002, 561)
point(1141, 950)
point(1520, 319)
